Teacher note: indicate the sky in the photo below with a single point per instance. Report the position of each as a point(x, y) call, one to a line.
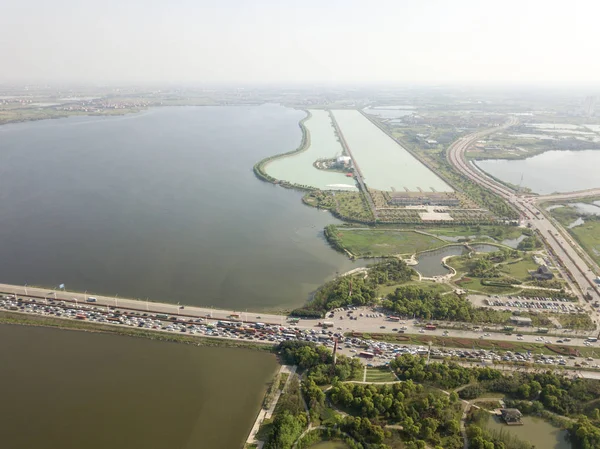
point(281, 41)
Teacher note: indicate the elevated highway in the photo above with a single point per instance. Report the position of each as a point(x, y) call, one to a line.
point(564, 249)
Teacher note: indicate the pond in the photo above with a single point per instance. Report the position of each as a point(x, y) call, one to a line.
point(535, 430)
point(430, 262)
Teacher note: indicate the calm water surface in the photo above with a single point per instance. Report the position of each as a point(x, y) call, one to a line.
point(299, 168)
point(162, 204)
point(384, 164)
point(75, 390)
point(549, 172)
point(430, 262)
point(535, 430)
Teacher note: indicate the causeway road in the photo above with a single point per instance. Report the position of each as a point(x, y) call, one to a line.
point(341, 322)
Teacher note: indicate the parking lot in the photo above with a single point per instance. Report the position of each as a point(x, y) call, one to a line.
point(537, 304)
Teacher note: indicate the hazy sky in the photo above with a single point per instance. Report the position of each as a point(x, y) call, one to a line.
point(300, 41)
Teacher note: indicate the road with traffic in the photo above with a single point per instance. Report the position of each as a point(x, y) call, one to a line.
point(370, 321)
point(564, 250)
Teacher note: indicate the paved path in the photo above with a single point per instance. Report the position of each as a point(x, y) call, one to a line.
point(267, 414)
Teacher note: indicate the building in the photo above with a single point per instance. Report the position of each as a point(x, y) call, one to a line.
point(511, 416)
point(543, 273)
point(520, 321)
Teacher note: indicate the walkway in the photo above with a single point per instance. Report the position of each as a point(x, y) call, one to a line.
point(267, 414)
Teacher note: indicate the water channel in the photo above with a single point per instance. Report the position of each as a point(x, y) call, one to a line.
point(299, 168)
point(384, 164)
point(73, 390)
point(535, 430)
point(164, 205)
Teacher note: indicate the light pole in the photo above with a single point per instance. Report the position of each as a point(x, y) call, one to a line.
point(26, 289)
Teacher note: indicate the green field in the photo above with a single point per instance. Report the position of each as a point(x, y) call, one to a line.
point(495, 232)
point(588, 236)
point(434, 287)
point(330, 445)
point(382, 374)
point(379, 243)
point(520, 270)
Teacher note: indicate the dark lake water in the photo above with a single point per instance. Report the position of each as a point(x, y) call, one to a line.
point(163, 205)
point(76, 390)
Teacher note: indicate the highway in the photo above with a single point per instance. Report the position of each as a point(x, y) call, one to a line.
point(342, 322)
point(563, 249)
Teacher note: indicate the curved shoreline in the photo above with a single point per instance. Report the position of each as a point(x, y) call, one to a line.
point(260, 166)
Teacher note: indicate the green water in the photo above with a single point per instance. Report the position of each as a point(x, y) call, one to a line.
point(535, 430)
point(77, 390)
point(299, 168)
point(384, 164)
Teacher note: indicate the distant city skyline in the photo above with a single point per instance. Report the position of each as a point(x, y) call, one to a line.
point(267, 41)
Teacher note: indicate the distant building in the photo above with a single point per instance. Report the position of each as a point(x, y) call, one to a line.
point(520, 321)
point(543, 273)
point(511, 416)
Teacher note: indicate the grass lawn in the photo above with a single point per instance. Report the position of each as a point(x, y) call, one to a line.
point(380, 375)
point(435, 287)
point(504, 232)
point(519, 270)
point(588, 236)
point(386, 242)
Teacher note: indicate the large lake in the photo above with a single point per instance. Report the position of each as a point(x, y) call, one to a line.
point(161, 204)
point(79, 390)
point(549, 172)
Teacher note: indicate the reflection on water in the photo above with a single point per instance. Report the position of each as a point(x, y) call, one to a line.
point(535, 430)
point(430, 262)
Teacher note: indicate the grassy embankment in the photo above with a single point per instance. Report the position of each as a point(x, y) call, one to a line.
point(260, 167)
point(86, 326)
point(587, 234)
